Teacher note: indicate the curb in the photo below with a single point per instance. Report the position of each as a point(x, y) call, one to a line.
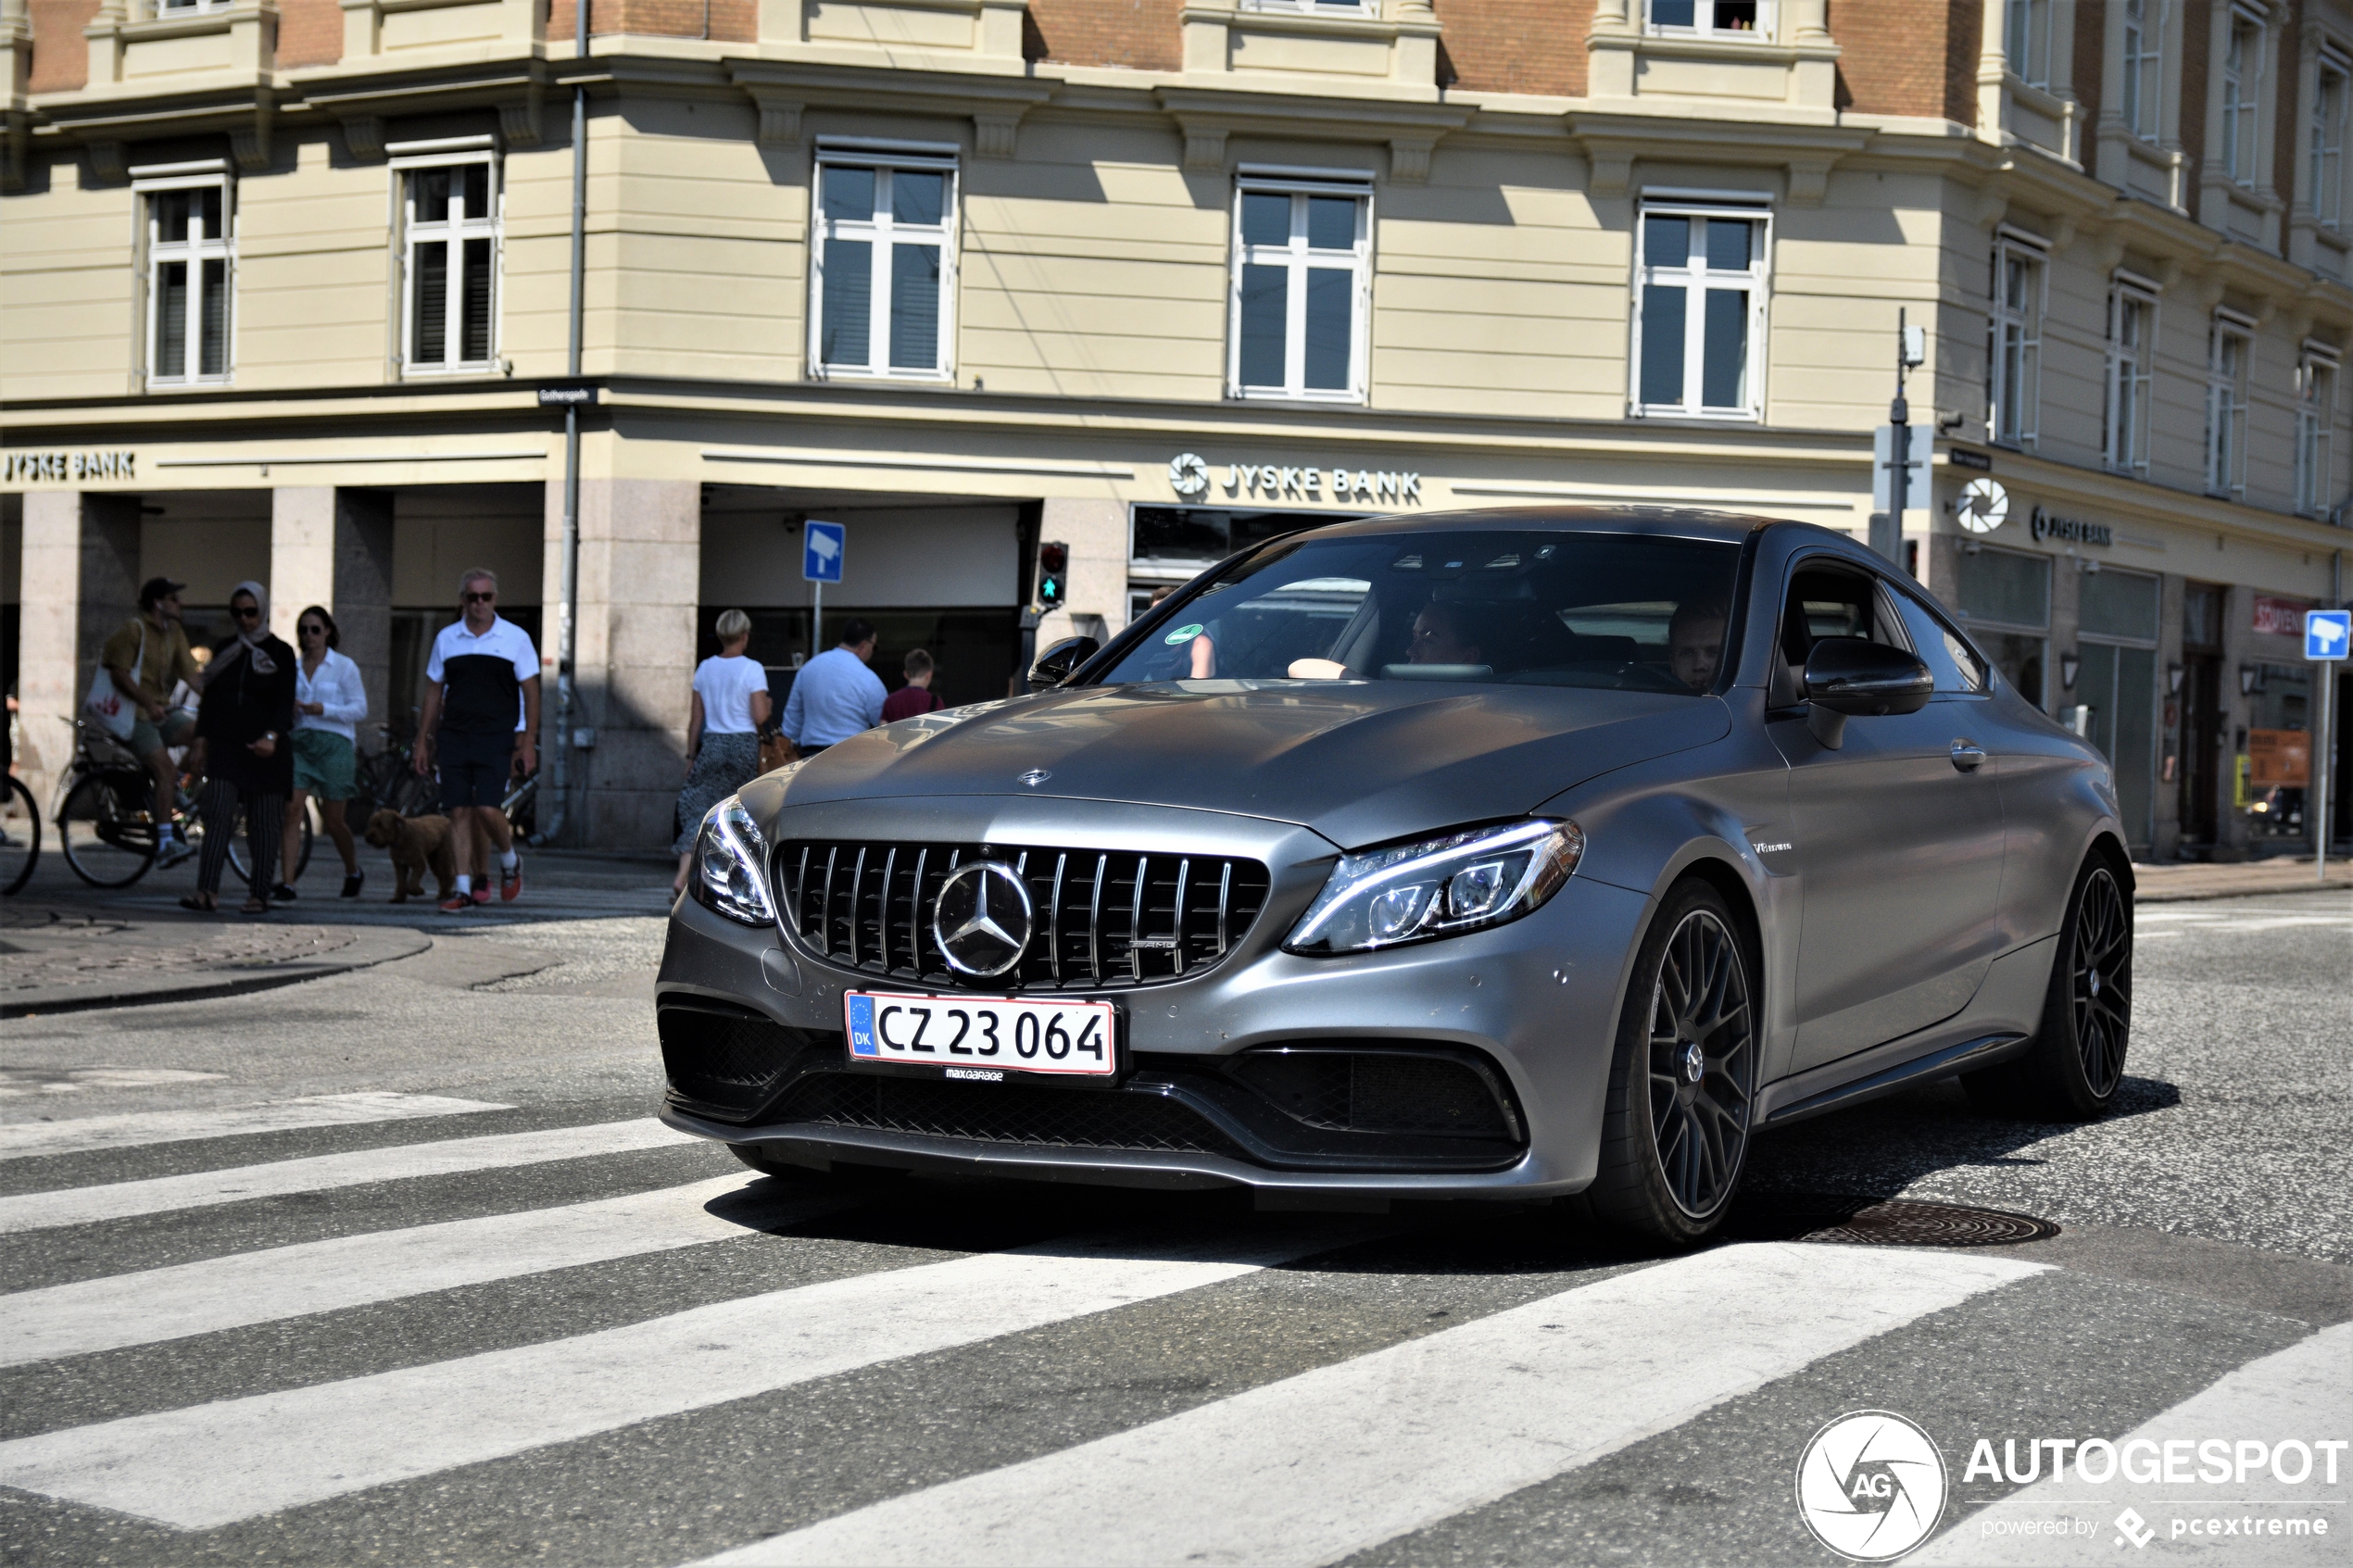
point(376, 947)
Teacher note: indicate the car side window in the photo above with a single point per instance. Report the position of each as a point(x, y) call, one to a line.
point(1827, 601)
point(1948, 657)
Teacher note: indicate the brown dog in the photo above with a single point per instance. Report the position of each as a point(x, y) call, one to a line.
point(417, 843)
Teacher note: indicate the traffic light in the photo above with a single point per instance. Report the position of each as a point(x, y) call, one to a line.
point(1053, 573)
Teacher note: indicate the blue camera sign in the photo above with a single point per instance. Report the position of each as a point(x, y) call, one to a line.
point(821, 551)
point(2327, 632)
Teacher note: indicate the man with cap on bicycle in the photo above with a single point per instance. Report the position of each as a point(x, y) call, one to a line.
point(147, 659)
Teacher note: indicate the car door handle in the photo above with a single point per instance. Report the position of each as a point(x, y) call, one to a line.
point(1967, 757)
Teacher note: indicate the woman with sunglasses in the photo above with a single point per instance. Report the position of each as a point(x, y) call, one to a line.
point(243, 721)
point(329, 701)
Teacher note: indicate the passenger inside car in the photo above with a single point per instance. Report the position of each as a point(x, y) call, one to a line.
point(1696, 642)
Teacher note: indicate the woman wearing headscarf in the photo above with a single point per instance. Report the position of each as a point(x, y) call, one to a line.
point(245, 722)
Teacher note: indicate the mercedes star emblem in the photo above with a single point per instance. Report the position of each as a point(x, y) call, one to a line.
point(983, 919)
point(1035, 777)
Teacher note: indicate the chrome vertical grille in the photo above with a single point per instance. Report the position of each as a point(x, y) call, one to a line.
point(1104, 917)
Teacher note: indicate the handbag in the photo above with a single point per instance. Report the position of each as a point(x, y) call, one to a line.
point(775, 751)
point(105, 706)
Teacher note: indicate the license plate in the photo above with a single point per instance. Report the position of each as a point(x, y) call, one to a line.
point(977, 1037)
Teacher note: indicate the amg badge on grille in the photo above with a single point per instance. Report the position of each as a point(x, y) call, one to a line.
point(982, 919)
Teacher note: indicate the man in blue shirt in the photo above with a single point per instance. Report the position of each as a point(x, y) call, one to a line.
point(835, 696)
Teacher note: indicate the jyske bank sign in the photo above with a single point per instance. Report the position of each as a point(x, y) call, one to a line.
point(1193, 476)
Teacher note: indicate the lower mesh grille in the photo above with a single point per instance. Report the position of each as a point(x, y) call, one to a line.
point(1379, 1091)
point(1035, 1115)
point(734, 1059)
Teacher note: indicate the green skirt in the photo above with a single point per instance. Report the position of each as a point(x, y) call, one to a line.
point(322, 765)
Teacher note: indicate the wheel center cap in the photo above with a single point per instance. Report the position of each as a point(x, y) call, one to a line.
point(1694, 1062)
point(2095, 982)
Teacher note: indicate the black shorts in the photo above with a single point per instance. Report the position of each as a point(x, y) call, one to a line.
point(474, 769)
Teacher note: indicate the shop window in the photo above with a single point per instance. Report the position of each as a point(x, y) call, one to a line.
point(2315, 430)
point(1699, 330)
point(449, 263)
point(1749, 19)
point(2014, 344)
point(2144, 63)
point(2026, 41)
point(2325, 139)
point(190, 277)
point(2242, 96)
point(2132, 354)
point(1301, 288)
point(1316, 7)
point(188, 8)
point(883, 279)
point(2115, 696)
point(2230, 347)
point(2005, 598)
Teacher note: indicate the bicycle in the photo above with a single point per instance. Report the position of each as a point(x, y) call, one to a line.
point(19, 836)
point(105, 820)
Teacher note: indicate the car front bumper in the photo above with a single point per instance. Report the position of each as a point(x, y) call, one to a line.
point(1530, 1006)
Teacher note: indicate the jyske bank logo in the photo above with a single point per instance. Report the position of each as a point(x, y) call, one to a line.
point(1871, 1486)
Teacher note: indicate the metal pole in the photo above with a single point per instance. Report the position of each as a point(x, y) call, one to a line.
point(2319, 804)
point(816, 617)
point(568, 589)
point(1888, 539)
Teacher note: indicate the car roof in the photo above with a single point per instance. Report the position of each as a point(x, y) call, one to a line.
point(1678, 522)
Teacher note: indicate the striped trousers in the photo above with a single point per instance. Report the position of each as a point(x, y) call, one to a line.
point(265, 816)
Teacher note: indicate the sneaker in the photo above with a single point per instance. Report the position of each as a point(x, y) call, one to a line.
point(456, 904)
point(352, 882)
point(173, 850)
point(283, 893)
point(481, 895)
point(510, 882)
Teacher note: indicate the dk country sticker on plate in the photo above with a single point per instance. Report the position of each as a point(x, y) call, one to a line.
point(999, 1034)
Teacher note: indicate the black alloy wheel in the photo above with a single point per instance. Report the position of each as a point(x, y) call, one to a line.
point(2101, 984)
point(2075, 1064)
point(1683, 1084)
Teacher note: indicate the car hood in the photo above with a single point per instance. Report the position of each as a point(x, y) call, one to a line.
point(1358, 762)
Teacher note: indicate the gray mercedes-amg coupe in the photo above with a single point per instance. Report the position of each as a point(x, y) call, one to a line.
point(1512, 854)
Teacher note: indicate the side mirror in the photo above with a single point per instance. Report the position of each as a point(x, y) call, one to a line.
point(1854, 677)
point(1053, 666)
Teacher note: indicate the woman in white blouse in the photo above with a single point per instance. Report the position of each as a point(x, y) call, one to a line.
point(329, 704)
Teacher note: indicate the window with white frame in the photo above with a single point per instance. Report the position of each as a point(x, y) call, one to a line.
point(2132, 355)
point(2026, 41)
point(2242, 96)
point(192, 265)
point(1302, 287)
point(449, 263)
point(2230, 350)
point(2326, 136)
point(2014, 344)
point(185, 8)
point(1750, 18)
point(1316, 7)
point(1699, 323)
point(2315, 427)
point(2144, 62)
point(883, 279)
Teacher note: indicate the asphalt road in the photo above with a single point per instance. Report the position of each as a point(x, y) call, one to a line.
point(393, 1267)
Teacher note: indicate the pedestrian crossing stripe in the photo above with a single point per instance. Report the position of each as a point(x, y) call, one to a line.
point(20, 1140)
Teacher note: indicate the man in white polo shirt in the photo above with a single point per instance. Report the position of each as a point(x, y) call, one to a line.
point(480, 723)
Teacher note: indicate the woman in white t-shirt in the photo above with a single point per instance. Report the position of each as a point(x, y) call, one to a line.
point(722, 734)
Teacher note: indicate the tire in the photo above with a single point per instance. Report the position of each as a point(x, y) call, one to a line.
point(2076, 1064)
point(1673, 1145)
point(99, 830)
point(19, 836)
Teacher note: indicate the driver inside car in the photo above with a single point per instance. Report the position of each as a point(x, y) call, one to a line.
point(1438, 636)
point(1696, 642)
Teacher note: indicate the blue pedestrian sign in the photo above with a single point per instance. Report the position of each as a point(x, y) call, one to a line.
point(821, 552)
point(2327, 632)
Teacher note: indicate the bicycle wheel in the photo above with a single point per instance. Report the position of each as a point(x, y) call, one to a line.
point(244, 867)
point(19, 836)
point(105, 829)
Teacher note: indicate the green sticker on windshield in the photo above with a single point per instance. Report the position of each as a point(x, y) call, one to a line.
point(1184, 635)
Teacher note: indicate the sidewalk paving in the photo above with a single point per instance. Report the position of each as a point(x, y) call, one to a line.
point(2158, 884)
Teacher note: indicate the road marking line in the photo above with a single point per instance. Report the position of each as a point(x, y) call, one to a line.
point(320, 1276)
point(20, 1139)
point(1331, 1461)
point(236, 1459)
point(2302, 1392)
point(82, 1206)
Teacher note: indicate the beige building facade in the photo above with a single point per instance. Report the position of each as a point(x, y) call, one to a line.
point(282, 287)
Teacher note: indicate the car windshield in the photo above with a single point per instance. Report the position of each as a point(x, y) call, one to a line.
point(1518, 606)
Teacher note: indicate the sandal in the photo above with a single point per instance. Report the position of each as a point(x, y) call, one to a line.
point(254, 906)
point(202, 903)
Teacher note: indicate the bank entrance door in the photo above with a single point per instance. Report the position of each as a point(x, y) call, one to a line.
point(2118, 683)
point(2201, 712)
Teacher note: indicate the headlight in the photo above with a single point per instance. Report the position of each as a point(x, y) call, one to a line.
point(727, 865)
point(1461, 882)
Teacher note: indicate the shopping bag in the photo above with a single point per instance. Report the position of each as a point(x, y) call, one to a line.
point(108, 709)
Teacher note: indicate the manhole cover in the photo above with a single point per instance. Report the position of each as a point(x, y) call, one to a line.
point(1880, 1221)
